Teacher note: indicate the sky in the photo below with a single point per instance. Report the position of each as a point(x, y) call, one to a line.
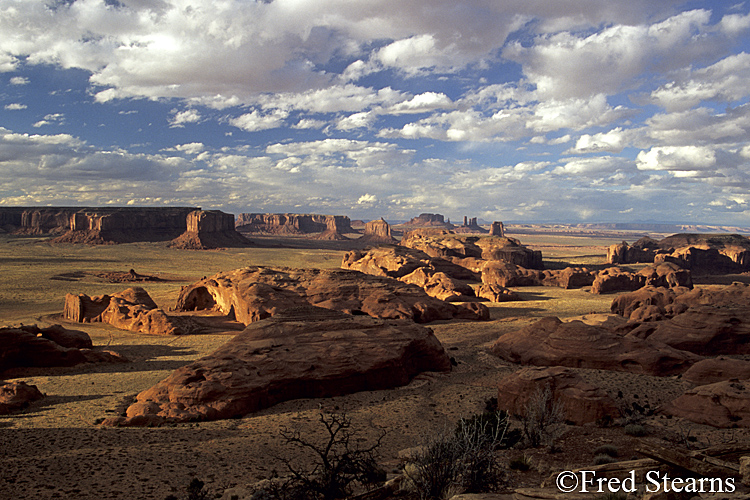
point(513, 110)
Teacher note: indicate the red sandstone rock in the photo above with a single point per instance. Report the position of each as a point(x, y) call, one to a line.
point(132, 309)
point(506, 274)
point(255, 293)
point(429, 220)
point(440, 285)
point(550, 342)
point(496, 293)
point(722, 404)
point(62, 336)
point(377, 232)
point(27, 347)
point(627, 303)
point(301, 353)
point(208, 229)
point(705, 321)
point(616, 279)
point(291, 224)
point(582, 402)
point(711, 370)
point(17, 395)
point(497, 229)
point(570, 277)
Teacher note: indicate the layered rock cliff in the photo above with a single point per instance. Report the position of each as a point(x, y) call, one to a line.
point(209, 229)
point(291, 224)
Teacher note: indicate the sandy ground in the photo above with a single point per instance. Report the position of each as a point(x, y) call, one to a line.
point(55, 449)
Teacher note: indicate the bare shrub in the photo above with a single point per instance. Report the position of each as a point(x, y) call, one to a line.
point(338, 464)
point(462, 461)
point(542, 423)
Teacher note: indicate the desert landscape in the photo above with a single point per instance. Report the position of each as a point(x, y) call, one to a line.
point(101, 430)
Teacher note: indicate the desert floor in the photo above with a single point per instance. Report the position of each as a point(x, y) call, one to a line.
point(55, 449)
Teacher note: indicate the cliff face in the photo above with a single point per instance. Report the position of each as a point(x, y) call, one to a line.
point(377, 231)
point(292, 223)
point(209, 229)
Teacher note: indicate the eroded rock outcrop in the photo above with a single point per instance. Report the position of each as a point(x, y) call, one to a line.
point(550, 342)
point(709, 371)
point(429, 220)
point(208, 229)
point(255, 293)
point(722, 404)
point(582, 402)
point(31, 346)
point(17, 395)
point(377, 232)
point(616, 279)
point(300, 353)
point(292, 224)
point(457, 248)
point(700, 253)
point(125, 224)
point(132, 309)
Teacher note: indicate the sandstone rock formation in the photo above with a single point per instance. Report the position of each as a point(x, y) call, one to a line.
point(506, 274)
point(209, 229)
point(428, 220)
point(132, 309)
point(497, 229)
point(377, 232)
point(700, 253)
point(125, 224)
point(722, 404)
point(647, 304)
point(582, 402)
point(550, 342)
point(711, 370)
point(447, 245)
point(300, 353)
point(496, 293)
point(17, 395)
point(470, 226)
point(27, 346)
point(255, 293)
point(616, 279)
point(292, 224)
point(568, 278)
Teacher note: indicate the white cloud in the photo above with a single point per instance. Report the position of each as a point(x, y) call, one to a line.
point(180, 118)
point(255, 121)
point(681, 161)
point(15, 106)
point(192, 148)
point(613, 141)
point(50, 119)
point(19, 80)
point(367, 198)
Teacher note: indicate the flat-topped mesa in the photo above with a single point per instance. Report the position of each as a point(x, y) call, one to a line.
point(209, 229)
point(114, 224)
point(292, 224)
point(36, 220)
point(705, 253)
point(429, 220)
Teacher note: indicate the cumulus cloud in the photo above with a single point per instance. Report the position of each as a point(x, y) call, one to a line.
point(255, 120)
point(15, 106)
point(50, 119)
point(19, 80)
point(181, 118)
point(680, 161)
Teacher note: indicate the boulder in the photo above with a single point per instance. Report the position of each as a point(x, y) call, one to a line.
point(668, 275)
point(616, 279)
point(306, 352)
point(506, 274)
point(208, 229)
point(27, 346)
point(132, 309)
point(582, 402)
point(568, 278)
point(393, 261)
point(550, 342)
point(708, 371)
point(708, 322)
point(723, 404)
point(496, 293)
point(255, 293)
point(649, 296)
point(17, 395)
point(440, 285)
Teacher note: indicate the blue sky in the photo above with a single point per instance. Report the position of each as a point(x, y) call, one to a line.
point(515, 110)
